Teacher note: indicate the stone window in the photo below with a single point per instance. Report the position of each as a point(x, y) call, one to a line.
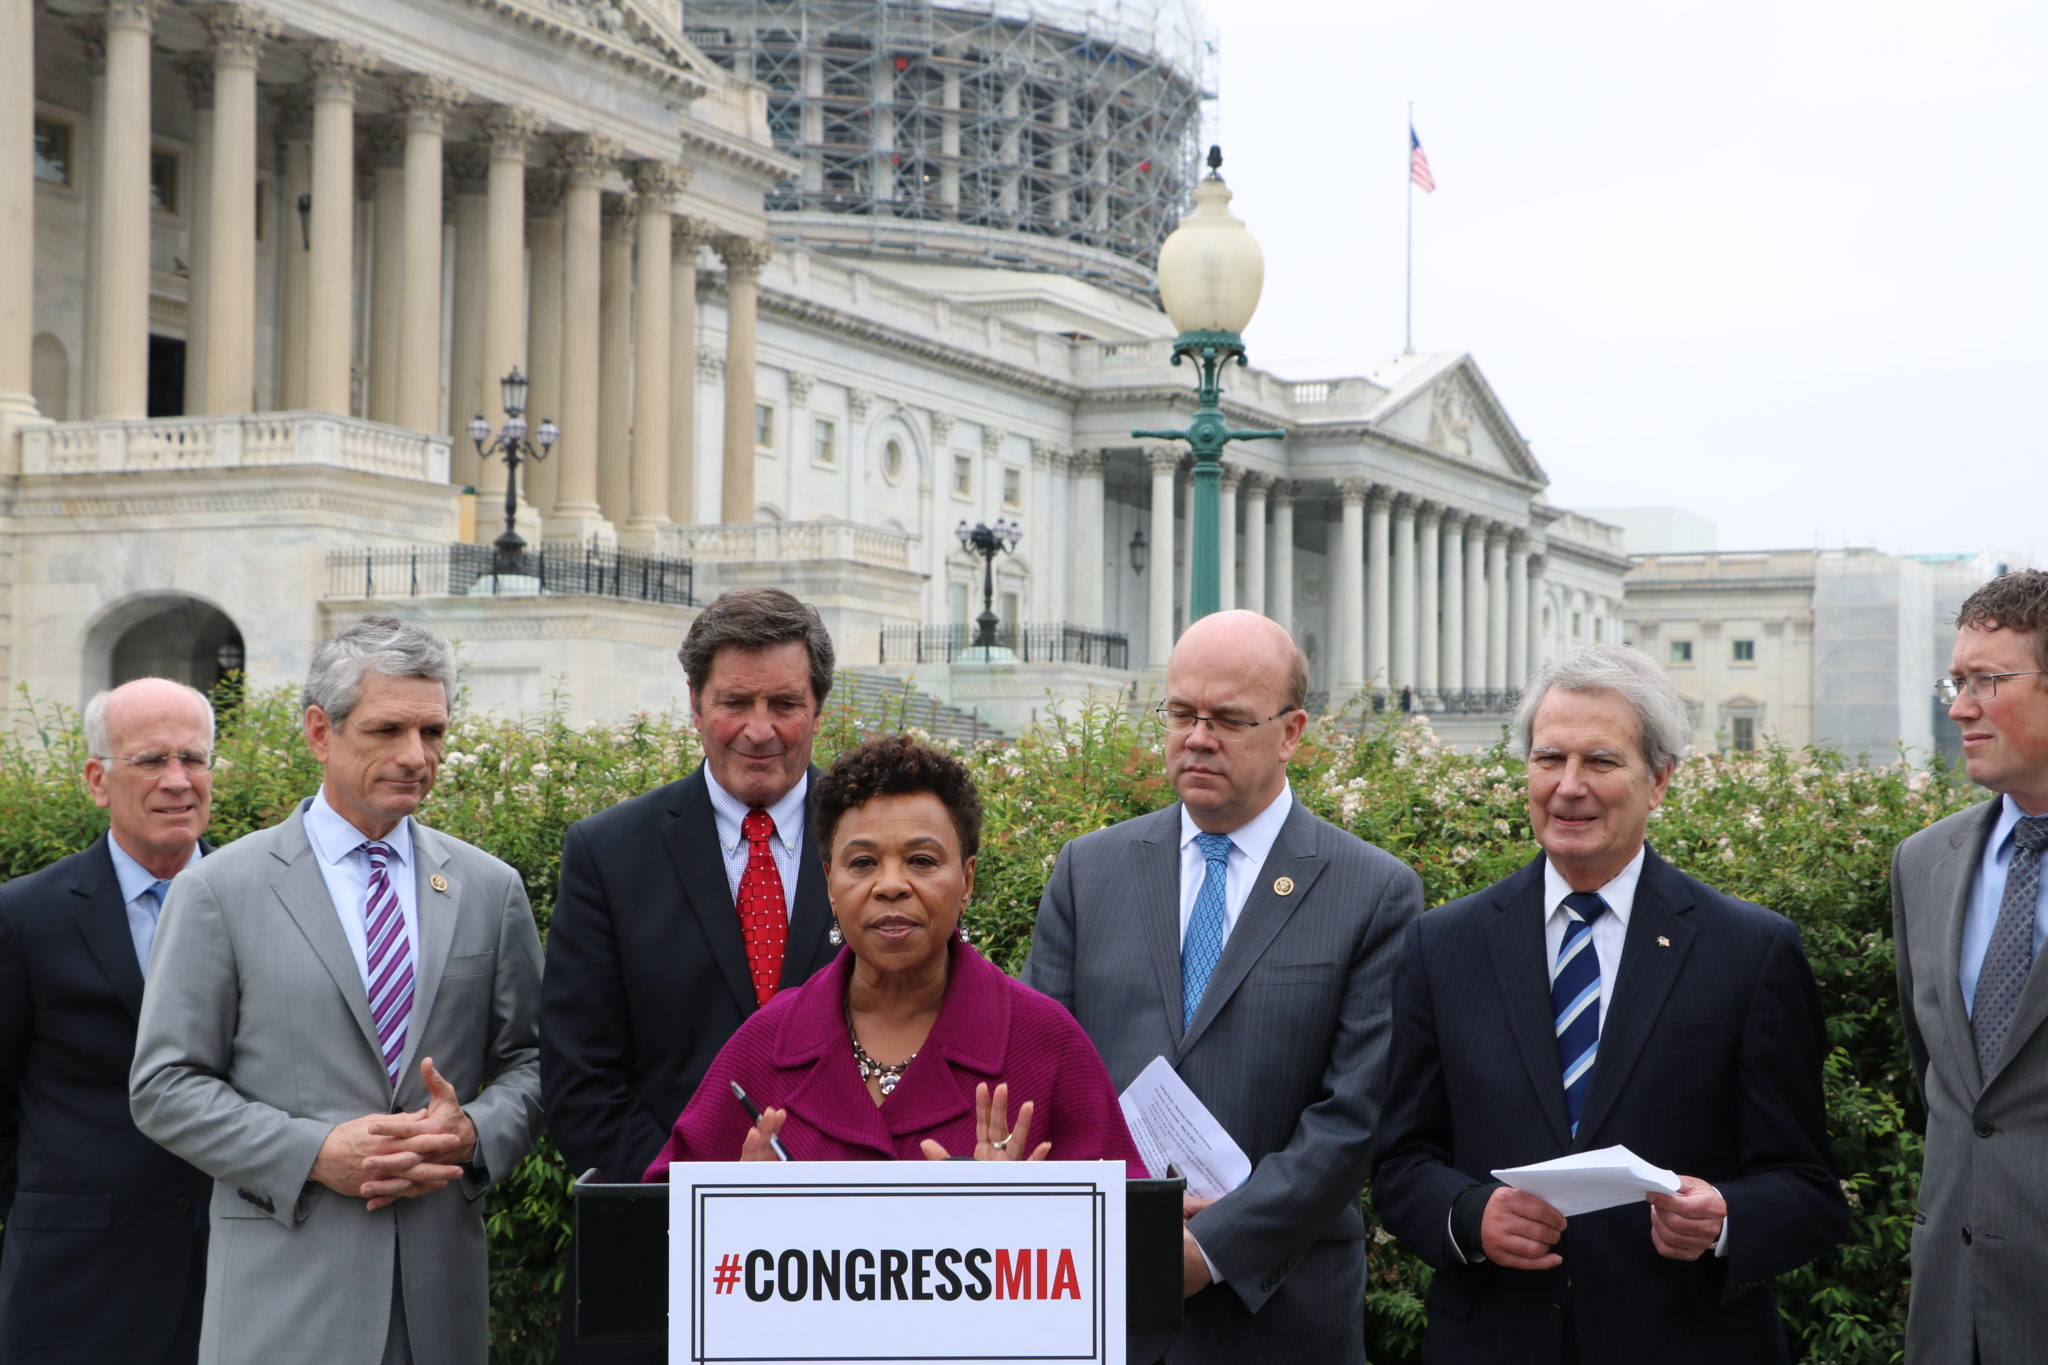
point(1013, 488)
point(1744, 651)
point(1742, 734)
point(53, 152)
point(164, 167)
point(1681, 651)
point(824, 441)
point(892, 460)
point(764, 427)
point(963, 476)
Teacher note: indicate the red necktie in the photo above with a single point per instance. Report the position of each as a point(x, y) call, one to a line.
point(764, 917)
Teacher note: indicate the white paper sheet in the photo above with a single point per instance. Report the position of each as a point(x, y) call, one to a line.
point(1586, 1181)
point(1172, 1127)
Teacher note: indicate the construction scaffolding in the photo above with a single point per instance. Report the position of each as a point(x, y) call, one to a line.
point(1057, 119)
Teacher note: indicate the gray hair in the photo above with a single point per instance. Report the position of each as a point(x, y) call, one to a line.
point(99, 739)
point(375, 644)
point(1660, 712)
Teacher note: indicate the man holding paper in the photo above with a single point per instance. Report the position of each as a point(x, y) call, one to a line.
point(1601, 998)
point(1249, 944)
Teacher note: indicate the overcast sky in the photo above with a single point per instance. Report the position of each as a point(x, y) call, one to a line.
point(1777, 262)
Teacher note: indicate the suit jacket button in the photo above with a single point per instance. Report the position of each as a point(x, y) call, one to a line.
point(1966, 1236)
point(1553, 1312)
point(1984, 1128)
point(184, 1205)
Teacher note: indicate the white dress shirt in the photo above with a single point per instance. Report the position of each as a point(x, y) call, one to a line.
point(135, 880)
point(1987, 894)
point(1249, 846)
point(728, 811)
point(337, 847)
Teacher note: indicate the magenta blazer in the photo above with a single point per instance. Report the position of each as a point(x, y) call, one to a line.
point(794, 1054)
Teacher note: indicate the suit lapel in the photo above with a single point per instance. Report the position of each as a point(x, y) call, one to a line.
point(102, 922)
point(1154, 889)
point(1294, 854)
point(436, 911)
point(302, 891)
point(1653, 953)
point(692, 843)
point(1514, 943)
point(1956, 869)
point(811, 913)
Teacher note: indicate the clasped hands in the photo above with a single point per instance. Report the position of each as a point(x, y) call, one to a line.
point(994, 1138)
point(383, 1158)
point(1518, 1230)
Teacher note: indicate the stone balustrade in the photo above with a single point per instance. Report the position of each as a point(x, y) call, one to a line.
point(234, 441)
point(782, 541)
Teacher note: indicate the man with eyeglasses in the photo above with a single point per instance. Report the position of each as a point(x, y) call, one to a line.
point(1968, 919)
point(104, 1254)
point(1249, 943)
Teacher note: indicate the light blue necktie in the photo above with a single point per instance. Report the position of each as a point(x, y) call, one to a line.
point(1204, 941)
point(142, 922)
point(1575, 1000)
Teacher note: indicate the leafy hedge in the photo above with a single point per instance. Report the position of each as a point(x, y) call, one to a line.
point(1805, 833)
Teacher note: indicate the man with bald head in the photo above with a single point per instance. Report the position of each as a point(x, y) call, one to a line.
point(1250, 944)
point(104, 1254)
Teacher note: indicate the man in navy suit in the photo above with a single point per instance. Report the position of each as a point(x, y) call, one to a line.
point(1600, 997)
point(649, 965)
point(104, 1256)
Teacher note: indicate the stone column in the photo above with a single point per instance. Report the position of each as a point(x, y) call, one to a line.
point(584, 160)
point(1518, 610)
point(615, 362)
point(1347, 608)
point(1454, 601)
point(1086, 583)
point(1254, 594)
point(1428, 531)
point(1536, 595)
point(384, 149)
point(1226, 537)
point(426, 101)
point(1496, 608)
point(17, 226)
point(239, 33)
point(544, 333)
point(1044, 527)
point(330, 335)
point(689, 237)
point(743, 257)
point(657, 183)
point(197, 70)
point(467, 171)
point(1403, 672)
point(295, 176)
point(1378, 638)
point(509, 130)
point(1165, 463)
point(1280, 574)
point(117, 333)
point(1475, 603)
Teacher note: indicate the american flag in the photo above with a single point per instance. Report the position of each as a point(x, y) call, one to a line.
point(1418, 163)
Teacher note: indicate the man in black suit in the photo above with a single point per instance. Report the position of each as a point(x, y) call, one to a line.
point(1601, 997)
point(104, 1256)
point(650, 968)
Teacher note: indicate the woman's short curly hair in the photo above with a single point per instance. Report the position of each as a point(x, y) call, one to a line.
point(896, 765)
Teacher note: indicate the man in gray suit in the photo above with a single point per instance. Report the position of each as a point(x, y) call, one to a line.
point(1251, 944)
point(1968, 918)
point(339, 1028)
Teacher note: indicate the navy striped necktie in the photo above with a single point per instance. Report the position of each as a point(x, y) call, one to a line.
point(1575, 1000)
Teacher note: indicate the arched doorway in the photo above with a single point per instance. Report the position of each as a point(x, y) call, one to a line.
point(163, 635)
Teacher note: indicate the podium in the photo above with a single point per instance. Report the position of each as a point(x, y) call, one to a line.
point(622, 1269)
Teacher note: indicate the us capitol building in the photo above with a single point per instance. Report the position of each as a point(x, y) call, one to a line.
point(804, 283)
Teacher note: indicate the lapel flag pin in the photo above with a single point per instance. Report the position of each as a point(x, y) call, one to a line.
point(1283, 886)
point(438, 882)
point(1663, 942)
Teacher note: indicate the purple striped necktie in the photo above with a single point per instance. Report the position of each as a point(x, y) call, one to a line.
point(389, 957)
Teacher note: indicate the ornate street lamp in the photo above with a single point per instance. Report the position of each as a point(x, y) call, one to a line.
point(988, 542)
point(511, 445)
point(1210, 274)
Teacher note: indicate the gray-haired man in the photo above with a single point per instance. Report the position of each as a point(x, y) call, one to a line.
point(326, 1003)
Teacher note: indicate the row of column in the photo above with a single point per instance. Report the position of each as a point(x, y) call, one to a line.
point(611, 298)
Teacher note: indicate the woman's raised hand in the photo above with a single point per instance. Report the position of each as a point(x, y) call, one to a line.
point(994, 1138)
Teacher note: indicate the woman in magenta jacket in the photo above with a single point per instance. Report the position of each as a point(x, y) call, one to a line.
point(911, 1044)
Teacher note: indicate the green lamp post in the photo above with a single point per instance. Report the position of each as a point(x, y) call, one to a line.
point(1210, 274)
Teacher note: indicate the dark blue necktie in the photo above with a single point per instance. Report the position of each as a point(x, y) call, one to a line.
point(1575, 1000)
point(1204, 942)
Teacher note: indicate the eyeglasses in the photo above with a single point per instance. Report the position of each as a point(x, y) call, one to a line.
point(155, 765)
point(1180, 722)
point(1980, 686)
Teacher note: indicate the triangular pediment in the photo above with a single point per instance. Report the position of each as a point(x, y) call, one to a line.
point(645, 27)
point(1452, 409)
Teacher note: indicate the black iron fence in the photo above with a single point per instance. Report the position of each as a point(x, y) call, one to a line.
point(466, 571)
point(1449, 702)
point(1031, 644)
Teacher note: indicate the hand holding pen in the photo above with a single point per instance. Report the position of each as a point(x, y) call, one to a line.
point(762, 1144)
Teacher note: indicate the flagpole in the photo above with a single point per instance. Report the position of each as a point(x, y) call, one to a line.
point(1408, 320)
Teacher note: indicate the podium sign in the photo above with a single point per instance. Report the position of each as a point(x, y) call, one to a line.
point(936, 1262)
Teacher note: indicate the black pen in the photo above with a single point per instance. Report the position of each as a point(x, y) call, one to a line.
point(775, 1143)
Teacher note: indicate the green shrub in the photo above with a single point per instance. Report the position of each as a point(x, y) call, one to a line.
point(1804, 833)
